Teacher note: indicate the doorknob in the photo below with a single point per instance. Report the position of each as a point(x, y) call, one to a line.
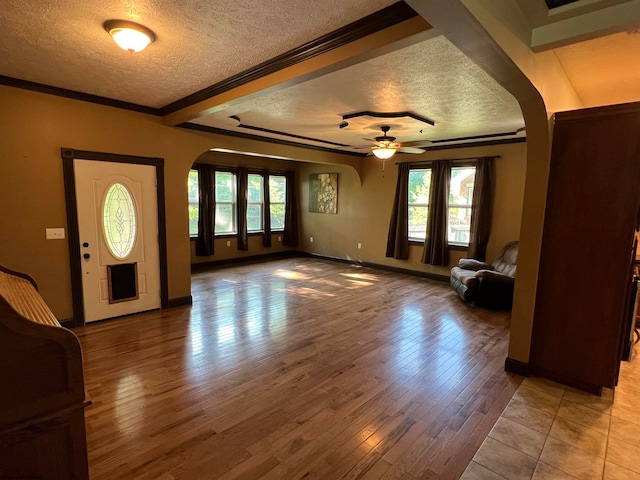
point(86, 256)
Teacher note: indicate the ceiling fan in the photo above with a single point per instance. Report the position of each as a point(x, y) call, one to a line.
point(385, 146)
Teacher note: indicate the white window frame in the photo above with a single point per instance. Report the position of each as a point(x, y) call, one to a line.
point(421, 205)
point(233, 203)
point(283, 203)
point(195, 204)
point(260, 204)
point(468, 206)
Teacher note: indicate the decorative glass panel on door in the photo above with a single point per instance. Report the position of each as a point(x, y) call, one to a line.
point(119, 221)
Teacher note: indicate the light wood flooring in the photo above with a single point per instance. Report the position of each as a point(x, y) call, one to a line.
point(296, 368)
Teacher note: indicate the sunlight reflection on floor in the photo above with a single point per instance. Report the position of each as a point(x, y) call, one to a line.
point(361, 276)
point(358, 283)
point(309, 292)
point(291, 275)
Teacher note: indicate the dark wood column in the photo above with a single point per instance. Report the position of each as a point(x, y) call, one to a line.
point(590, 218)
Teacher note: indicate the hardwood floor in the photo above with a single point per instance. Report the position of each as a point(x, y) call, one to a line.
point(298, 368)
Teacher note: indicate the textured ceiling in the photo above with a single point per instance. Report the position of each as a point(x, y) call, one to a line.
point(450, 90)
point(202, 42)
point(199, 42)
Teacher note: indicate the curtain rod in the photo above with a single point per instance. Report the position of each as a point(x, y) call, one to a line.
point(451, 159)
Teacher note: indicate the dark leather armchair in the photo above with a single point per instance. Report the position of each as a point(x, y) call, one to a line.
point(487, 285)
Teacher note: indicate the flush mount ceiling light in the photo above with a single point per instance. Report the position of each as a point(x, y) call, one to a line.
point(129, 35)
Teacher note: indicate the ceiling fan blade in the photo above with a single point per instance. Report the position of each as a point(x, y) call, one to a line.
point(417, 143)
point(411, 150)
point(389, 142)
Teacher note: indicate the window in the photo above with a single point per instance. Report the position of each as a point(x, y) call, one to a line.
point(254, 203)
point(226, 207)
point(192, 188)
point(225, 203)
point(459, 207)
point(277, 197)
point(419, 189)
point(460, 204)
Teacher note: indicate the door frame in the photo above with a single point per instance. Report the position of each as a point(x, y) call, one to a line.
point(68, 157)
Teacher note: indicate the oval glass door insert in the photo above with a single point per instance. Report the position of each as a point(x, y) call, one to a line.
point(119, 220)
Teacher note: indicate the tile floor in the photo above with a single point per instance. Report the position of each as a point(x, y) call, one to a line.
point(549, 431)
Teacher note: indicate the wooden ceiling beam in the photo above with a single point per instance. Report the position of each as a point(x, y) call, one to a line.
point(392, 38)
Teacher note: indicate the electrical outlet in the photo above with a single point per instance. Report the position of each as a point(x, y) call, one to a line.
point(54, 233)
point(359, 245)
point(279, 238)
point(311, 239)
point(228, 243)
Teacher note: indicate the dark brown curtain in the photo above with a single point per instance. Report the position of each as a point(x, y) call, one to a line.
point(206, 210)
point(290, 235)
point(482, 208)
point(242, 184)
point(398, 239)
point(266, 210)
point(436, 245)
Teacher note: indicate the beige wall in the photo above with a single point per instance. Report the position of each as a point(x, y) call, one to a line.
point(494, 35)
point(553, 92)
point(510, 60)
point(364, 208)
point(35, 126)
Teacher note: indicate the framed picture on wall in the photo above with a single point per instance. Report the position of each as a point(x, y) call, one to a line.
point(323, 193)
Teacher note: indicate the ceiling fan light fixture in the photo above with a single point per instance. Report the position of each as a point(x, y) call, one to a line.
point(128, 35)
point(383, 153)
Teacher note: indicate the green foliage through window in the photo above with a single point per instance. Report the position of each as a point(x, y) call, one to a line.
point(192, 188)
point(277, 197)
point(419, 190)
point(254, 203)
point(225, 202)
point(459, 208)
point(460, 203)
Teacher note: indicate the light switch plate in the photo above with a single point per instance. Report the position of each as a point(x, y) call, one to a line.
point(55, 233)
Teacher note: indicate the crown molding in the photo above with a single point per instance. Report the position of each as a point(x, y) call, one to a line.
point(75, 95)
point(385, 18)
point(248, 136)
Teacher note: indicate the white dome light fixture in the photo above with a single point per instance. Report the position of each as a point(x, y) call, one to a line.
point(384, 153)
point(128, 35)
point(385, 146)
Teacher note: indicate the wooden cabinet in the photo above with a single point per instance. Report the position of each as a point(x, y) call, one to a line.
point(591, 215)
point(42, 394)
point(46, 448)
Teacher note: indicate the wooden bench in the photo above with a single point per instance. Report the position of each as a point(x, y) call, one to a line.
point(42, 394)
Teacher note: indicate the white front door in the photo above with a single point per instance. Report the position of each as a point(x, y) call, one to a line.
point(118, 229)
